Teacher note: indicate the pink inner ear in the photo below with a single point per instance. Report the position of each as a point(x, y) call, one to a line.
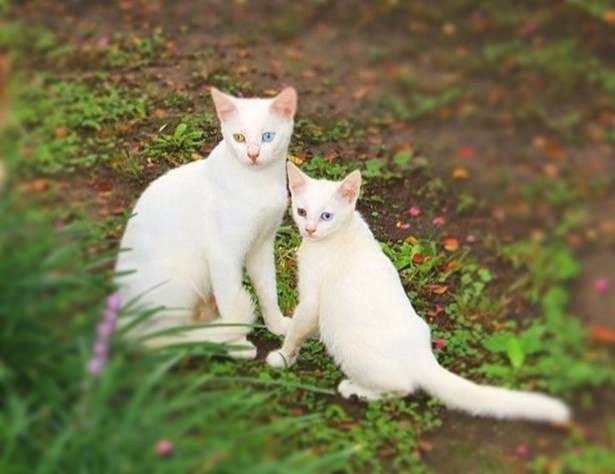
point(224, 106)
point(285, 103)
point(347, 192)
point(295, 182)
point(296, 179)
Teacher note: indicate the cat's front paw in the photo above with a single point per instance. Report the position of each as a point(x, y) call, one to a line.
point(279, 325)
point(278, 360)
point(242, 349)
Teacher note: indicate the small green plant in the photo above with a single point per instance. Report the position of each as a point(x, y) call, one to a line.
point(177, 146)
point(420, 104)
point(65, 122)
point(131, 51)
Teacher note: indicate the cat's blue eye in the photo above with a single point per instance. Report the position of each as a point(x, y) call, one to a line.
point(268, 136)
point(326, 216)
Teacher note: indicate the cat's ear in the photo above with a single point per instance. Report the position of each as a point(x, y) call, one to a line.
point(223, 103)
point(350, 187)
point(285, 103)
point(296, 179)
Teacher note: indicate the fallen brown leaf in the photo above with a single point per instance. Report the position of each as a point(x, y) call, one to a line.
point(437, 289)
point(60, 132)
point(601, 333)
point(460, 172)
point(450, 243)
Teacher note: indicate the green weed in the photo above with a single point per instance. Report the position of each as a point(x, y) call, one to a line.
point(420, 104)
point(65, 123)
point(177, 146)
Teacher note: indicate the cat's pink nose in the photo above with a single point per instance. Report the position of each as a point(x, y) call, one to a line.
point(253, 152)
point(310, 230)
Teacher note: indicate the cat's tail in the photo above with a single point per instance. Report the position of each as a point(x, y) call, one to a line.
point(485, 400)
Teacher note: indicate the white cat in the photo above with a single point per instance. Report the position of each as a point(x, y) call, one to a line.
point(351, 292)
point(196, 227)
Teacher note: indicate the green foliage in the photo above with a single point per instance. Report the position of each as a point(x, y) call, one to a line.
point(556, 192)
point(54, 417)
point(320, 168)
point(562, 62)
point(19, 36)
point(177, 146)
point(131, 51)
point(516, 346)
point(552, 351)
point(595, 8)
point(66, 122)
point(287, 242)
point(420, 104)
point(544, 264)
point(308, 132)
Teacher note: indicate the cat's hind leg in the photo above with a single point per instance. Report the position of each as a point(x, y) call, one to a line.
point(347, 388)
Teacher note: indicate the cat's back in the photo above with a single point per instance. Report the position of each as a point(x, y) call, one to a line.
point(168, 211)
point(174, 184)
point(361, 280)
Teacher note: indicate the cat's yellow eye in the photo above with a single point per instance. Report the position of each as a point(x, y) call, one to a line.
point(239, 137)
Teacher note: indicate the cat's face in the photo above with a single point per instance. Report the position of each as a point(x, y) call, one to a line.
point(257, 131)
point(321, 207)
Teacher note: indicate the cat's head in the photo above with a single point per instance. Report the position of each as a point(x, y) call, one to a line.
point(321, 207)
point(257, 131)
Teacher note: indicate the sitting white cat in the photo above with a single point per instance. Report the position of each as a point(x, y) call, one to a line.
point(351, 292)
point(195, 228)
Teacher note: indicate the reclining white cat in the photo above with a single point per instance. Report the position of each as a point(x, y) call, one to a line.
point(351, 292)
point(196, 227)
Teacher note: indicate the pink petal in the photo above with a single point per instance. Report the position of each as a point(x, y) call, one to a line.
point(528, 27)
point(105, 328)
point(163, 447)
point(100, 348)
point(113, 302)
point(601, 284)
point(438, 220)
point(438, 343)
point(413, 211)
point(521, 449)
point(465, 151)
point(102, 41)
point(96, 364)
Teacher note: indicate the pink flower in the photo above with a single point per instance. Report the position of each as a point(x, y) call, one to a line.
point(96, 364)
point(438, 343)
point(105, 328)
point(163, 447)
point(438, 221)
point(601, 284)
point(100, 348)
point(521, 450)
point(528, 27)
point(102, 41)
point(113, 302)
point(413, 211)
point(470, 238)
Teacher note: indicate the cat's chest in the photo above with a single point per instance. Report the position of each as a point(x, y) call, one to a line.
point(251, 211)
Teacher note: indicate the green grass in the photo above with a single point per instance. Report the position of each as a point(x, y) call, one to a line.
point(68, 125)
point(420, 104)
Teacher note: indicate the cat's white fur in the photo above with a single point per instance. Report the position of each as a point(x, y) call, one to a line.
point(195, 229)
point(351, 292)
